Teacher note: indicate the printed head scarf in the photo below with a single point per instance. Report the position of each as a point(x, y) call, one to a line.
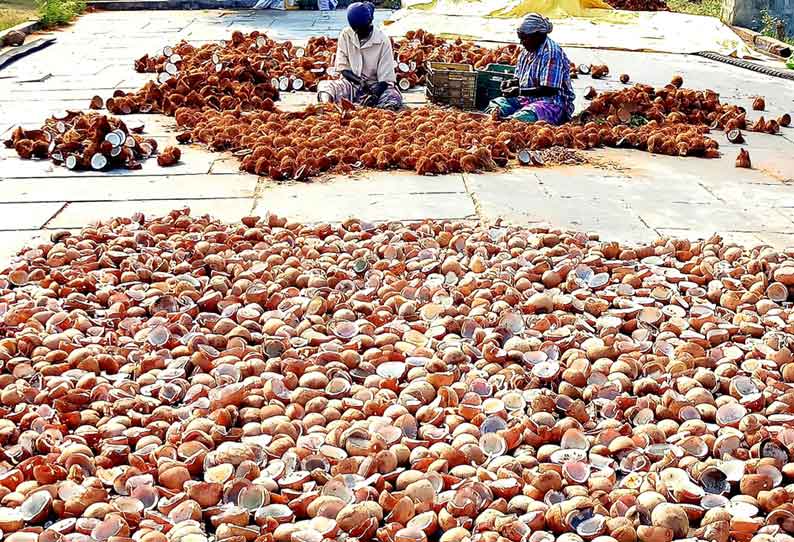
point(360, 14)
point(534, 22)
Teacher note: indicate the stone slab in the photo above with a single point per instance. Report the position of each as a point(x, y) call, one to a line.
point(519, 197)
point(297, 206)
point(27, 216)
point(78, 215)
point(777, 240)
point(756, 197)
point(740, 238)
point(708, 217)
point(622, 184)
point(368, 183)
point(128, 188)
point(516, 194)
point(194, 161)
point(13, 54)
point(610, 219)
point(11, 242)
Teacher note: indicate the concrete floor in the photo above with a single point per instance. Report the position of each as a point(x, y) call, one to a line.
point(628, 196)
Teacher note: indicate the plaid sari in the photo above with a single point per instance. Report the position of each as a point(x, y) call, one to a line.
point(547, 67)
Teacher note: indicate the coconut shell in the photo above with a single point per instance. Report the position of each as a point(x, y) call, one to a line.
point(169, 157)
point(24, 148)
point(599, 71)
point(772, 127)
point(96, 102)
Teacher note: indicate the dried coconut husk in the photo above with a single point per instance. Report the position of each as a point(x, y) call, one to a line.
point(743, 160)
point(427, 140)
point(169, 156)
point(599, 71)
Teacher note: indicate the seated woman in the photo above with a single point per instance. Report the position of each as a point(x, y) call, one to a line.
point(365, 61)
point(542, 88)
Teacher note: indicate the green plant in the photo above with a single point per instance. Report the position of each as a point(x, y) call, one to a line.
point(12, 17)
point(59, 12)
point(13, 12)
point(703, 7)
point(769, 27)
point(637, 120)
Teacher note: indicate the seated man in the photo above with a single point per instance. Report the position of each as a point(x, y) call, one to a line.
point(542, 88)
point(365, 61)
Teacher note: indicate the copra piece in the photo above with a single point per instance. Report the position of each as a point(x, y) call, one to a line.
point(177, 379)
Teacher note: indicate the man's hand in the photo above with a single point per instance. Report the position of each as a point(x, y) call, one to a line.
point(379, 88)
point(369, 100)
point(352, 77)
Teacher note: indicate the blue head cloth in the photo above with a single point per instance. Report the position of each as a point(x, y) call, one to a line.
point(360, 14)
point(534, 22)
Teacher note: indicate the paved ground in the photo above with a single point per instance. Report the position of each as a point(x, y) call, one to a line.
point(630, 196)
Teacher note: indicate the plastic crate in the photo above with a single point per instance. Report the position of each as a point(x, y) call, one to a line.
point(452, 84)
point(489, 82)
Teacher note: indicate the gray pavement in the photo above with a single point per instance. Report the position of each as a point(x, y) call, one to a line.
point(622, 195)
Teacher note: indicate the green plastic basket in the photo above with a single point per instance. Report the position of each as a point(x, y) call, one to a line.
point(489, 82)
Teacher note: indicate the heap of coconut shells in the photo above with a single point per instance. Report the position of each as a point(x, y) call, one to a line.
point(298, 68)
point(212, 77)
point(84, 141)
point(181, 380)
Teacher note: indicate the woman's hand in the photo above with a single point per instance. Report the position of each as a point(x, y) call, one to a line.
point(509, 83)
point(351, 76)
point(369, 100)
point(510, 88)
point(540, 92)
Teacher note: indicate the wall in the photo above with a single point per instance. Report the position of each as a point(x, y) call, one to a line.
point(747, 13)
